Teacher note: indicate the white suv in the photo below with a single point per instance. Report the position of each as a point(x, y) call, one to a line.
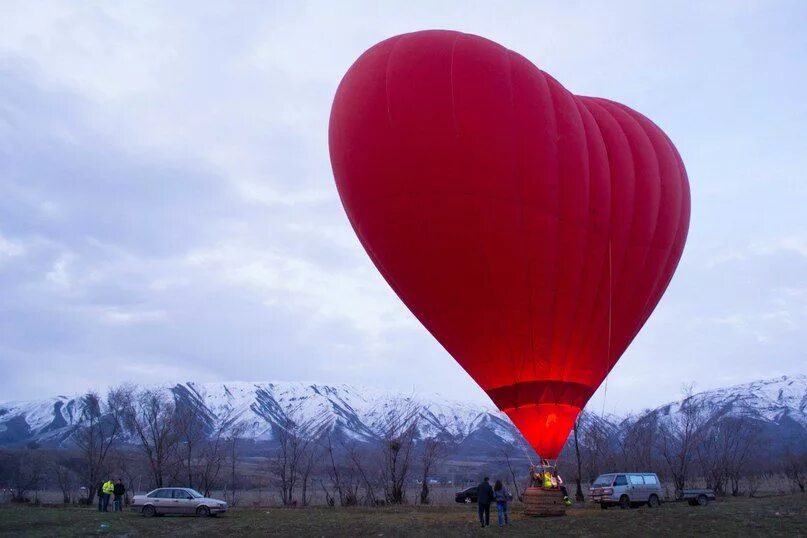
point(626, 490)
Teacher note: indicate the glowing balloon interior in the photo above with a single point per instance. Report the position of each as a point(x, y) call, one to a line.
point(530, 230)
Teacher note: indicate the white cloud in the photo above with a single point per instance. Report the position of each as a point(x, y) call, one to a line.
point(10, 249)
point(59, 274)
point(121, 316)
point(358, 296)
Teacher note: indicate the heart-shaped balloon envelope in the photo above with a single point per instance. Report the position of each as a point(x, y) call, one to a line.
point(530, 230)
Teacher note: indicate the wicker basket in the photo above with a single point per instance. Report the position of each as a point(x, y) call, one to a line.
point(542, 502)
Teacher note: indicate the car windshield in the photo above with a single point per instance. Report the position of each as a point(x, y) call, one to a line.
point(603, 480)
point(195, 494)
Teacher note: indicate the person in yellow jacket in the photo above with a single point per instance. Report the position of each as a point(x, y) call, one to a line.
point(547, 479)
point(108, 488)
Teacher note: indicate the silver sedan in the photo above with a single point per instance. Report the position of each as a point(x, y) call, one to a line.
point(186, 501)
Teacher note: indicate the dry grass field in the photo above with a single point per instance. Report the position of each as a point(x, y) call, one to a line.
point(771, 516)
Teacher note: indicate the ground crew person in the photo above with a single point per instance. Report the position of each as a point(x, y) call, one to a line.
point(119, 491)
point(109, 489)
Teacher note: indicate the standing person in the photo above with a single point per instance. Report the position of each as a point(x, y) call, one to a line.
point(109, 488)
point(119, 491)
point(502, 496)
point(100, 494)
point(484, 496)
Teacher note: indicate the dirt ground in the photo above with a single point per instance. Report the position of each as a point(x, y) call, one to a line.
point(771, 516)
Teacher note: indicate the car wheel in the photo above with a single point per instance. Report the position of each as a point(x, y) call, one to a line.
point(624, 502)
point(203, 511)
point(703, 500)
point(148, 511)
point(603, 506)
point(653, 501)
point(467, 500)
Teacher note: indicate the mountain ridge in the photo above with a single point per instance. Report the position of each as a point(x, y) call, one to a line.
point(359, 412)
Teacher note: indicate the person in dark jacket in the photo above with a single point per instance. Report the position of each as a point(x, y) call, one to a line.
point(119, 491)
point(484, 496)
point(100, 494)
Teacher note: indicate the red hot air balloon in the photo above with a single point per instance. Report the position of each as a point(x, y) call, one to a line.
point(530, 230)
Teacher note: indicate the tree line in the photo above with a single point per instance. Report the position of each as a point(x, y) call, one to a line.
point(728, 449)
point(151, 439)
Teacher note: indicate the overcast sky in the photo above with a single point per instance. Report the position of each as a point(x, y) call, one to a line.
point(168, 212)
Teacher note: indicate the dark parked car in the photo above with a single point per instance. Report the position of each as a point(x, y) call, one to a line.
point(696, 497)
point(466, 496)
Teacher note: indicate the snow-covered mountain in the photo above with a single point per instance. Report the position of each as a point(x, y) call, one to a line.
point(356, 412)
point(775, 401)
point(360, 413)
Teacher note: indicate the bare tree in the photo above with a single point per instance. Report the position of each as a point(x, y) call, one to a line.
point(150, 417)
point(25, 472)
point(506, 456)
point(578, 495)
point(332, 471)
point(637, 442)
point(129, 466)
point(65, 479)
point(679, 436)
point(598, 454)
point(398, 432)
point(100, 428)
point(744, 439)
point(359, 468)
point(432, 451)
point(212, 455)
point(304, 470)
point(724, 449)
point(232, 444)
point(191, 430)
point(795, 467)
point(293, 446)
point(341, 474)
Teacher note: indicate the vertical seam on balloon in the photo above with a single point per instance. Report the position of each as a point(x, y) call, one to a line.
point(672, 260)
point(631, 118)
point(386, 78)
point(488, 274)
point(592, 349)
point(681, 228)
point(529, 359)
point(632, 220)
point(660, 277)
point(451, 80)
point(525, 353)
point(601, 281)
point(573, 317)
point(520, 178)
point(514, 170)
point(557, 220)
point(387, 275)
